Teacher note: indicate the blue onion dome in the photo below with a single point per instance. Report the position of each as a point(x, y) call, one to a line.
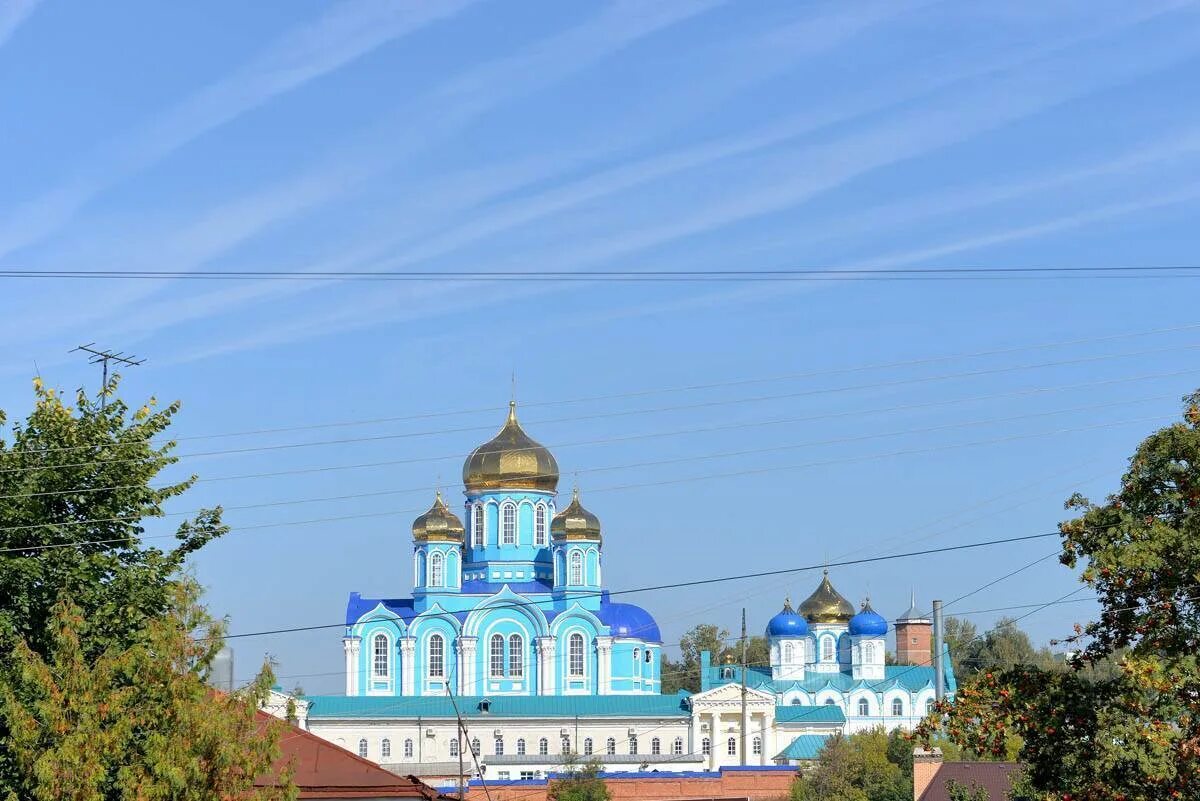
point(826, 605)
point(575, 522)
point(439, 524)
point(868, 622)
point(787, 623)
point(511, 460)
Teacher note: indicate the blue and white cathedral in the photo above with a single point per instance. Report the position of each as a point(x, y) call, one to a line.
point(510, 604)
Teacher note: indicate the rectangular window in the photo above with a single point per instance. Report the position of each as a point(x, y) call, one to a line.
point(731, 746)
point(527, 775)
point(503, 775)
point(454, 748)
point(508, 525)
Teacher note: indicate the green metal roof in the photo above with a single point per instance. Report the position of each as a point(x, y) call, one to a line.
point(907, 677)
point(806, 746)
point(798, 713)
point(501, 706)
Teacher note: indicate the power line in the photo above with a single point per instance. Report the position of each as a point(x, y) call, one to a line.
point(810, 273)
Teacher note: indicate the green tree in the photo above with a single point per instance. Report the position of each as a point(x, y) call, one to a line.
point(684, 674)
point(135, 723)
point(1086, 734)
point(956, 791)
point(580, 781)
point(860, 767)
point(81, 480)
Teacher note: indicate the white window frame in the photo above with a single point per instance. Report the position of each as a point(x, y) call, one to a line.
point(869, 653)
point(386, 656)
point(540, 514)
point(543, 747)
point(897, 707)
point(516, 656)
point(633, 744)
point(385, 748)
point(520, 746)
point(610, 746)
point(731, 746)
point(437, 569)
point(362, 747)
point(408, 748)
point(479, 526)
point(454, 746)
point(756, 746)
point(864, 707)
point(440, 663)
point(706, 747)
point(576, 664)
point(655, 746)
point(788, 653)
point(677, 746)
point(496, 656)
point(508, 528)
point(498, 746)
point(575, 568)
point(828, 649)
point(588, 746)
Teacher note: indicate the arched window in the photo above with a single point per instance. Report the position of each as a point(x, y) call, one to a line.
point(575, 568)
point(869, 653)
point(516, 656)
point(677, 746)
point(508, 524)
point(787, 653)
point(454, 747)
point(437, 656)
point(655, 746)
point(543, 746)
point(362, 748)
point(706, 746)
point(477, 523)
point(637, 662)
point(498, 746)
point(539, 525)
point(521, 746)
point(436, 571)
point(928, 705)
point(408, 749)
point(727, 673)
point(475, 746)
point(795, 702)
point(756, 745)
point(610, 747)
point(897, 707)
point(565, 745)
point(830, 702)
point(864, 708)
point(496, 652)
point(381, 651)
point(587, 746)
point(731, 746)
point(385, 748)
point(575, 654)
point(827, 649)
point(633, 744)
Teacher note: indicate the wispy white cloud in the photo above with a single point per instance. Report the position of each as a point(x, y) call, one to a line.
point(12, 14)
point(346, 32)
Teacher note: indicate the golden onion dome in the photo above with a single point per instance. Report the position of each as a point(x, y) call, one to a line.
point(575, 522)
point(439, 523)
point(510, 460)
point(826, 605)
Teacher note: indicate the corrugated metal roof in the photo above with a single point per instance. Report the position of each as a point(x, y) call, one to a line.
point(798, 713)
point(501, 706)
point(806, 746)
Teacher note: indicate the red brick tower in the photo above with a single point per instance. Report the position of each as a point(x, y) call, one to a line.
point(914, 636)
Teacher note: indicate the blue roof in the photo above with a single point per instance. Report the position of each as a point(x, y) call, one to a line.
point(358, 606)
point(868, 623)
point(628, 620)
point(806, 746)
point(787, 624)
point(907, 677)
point(799, 713)
point(501, 706)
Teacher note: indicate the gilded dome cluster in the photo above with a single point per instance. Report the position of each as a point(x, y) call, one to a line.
point(511, 460)
point(439, 523)
point(826, 605)
point(575, 522)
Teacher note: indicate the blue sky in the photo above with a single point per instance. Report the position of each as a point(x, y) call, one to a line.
point(648, 136)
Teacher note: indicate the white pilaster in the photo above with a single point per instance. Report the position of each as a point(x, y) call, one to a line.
point(408, 666)
point(604, 666)
point(467, 680)
point(546, 678)
point(694, 734)
point(350, 646)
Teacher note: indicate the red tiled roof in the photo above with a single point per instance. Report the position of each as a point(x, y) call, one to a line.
point(324, 770)
point(995, 777)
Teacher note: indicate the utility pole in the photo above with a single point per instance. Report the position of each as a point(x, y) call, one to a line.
point(939, 667)
point(745, 717)
point(103, 357)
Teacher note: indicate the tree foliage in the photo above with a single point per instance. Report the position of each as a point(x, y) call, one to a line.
point(684, 674)
point(580, 781)
point(1133, 732)
point(80, 479)
point(1000, 647)
point(868, 766)
point(138, 722)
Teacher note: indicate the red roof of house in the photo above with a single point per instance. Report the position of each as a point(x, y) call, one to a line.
point(324, 770)
point(995, 777)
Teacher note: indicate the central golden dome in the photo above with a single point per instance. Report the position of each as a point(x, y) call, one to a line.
point(510, 460)
point(826, 605)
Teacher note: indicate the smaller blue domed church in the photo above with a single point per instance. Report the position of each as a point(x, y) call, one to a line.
point(512, 603)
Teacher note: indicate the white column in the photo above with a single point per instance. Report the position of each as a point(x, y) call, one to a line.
point(467, 681)
point(604, 667)
point(408, 666)
point(714, 720)
point(351, 645)
point(694, 733)
point(764, 758)
point(545, 649)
